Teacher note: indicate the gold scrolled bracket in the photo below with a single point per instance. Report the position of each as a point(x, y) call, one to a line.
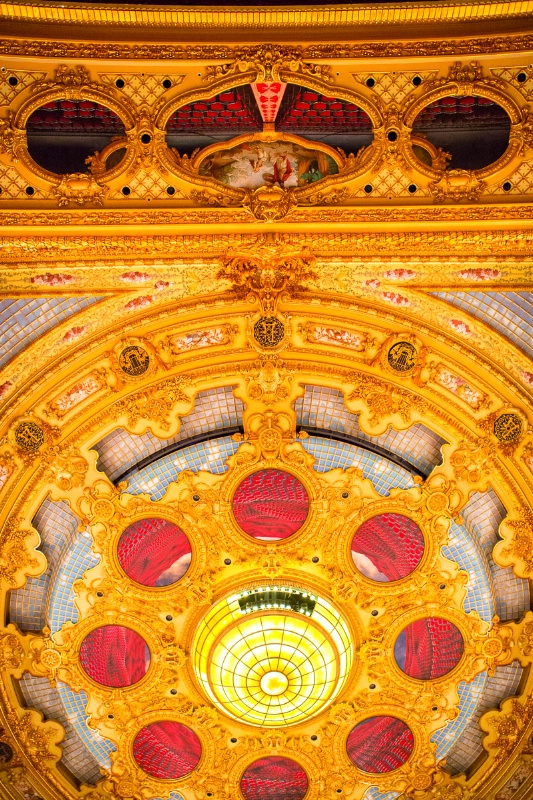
point(516, 548)
point(12, 139)
point(80, 189)
point(39, 739)
point(380, 403)
point(16, 650)
point(267, 269)
point(267, 62)
point(19, 557)
point(507, 727)
point(508, 642)
point(472, 461)
point(270, 380)
point(154, 407)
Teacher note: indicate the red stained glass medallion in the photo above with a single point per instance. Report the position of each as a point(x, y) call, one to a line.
point(387, 547)
point(380, 744)
point(154, 552)
point(271, 504)
point(167, 750)
point(428, 648)
point(115, 656)
point(274, 778)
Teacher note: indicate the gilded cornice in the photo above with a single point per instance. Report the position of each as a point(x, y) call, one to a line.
point(123, 51)
point(340, 16)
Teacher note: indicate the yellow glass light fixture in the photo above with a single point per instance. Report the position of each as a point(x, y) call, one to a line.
point(272, 656)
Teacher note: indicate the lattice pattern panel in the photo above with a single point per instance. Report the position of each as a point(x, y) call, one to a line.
point(470, 695)
point(503, 684)
point(482, 515)
point(321, 407)
point(143, 89)
point(511, 314)
point(466, 551)
point(74, 562)
point(521, 181)
point(13, 81)
point(511, 74)
point(148, 184)
point(156, 477)
point(13, 185)
point(384, 474)
point(389, 183)
point(77, 758)
point(393, 86)
point(24, 321)
point(214, 409)
point(57, 525)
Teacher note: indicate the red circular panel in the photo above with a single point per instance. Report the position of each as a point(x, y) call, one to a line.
point(387, 547)
point(274, 778)
point(154, 552)
point(114, 656)
point(428, 648)
point(167, 750)
point(271, 504)
point(379, 744)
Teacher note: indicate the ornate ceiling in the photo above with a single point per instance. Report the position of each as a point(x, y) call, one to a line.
point(266, 449)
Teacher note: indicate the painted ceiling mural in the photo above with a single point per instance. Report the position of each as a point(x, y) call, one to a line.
point(266, 448)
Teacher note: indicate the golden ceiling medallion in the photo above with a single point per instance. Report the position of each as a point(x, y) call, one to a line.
point(508, 427)
point(402, 356)
point(269, 332)
point(29, 436)
point(134, 361)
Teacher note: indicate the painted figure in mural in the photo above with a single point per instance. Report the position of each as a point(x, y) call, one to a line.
point(282, 169)
point(255, 164)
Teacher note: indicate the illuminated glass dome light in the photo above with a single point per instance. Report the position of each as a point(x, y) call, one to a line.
point(272, 656)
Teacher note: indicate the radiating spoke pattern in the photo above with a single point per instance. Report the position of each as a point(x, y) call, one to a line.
point(274, 778)
point(274, 666)
point(167, 750)
point(429, 648)
point(115, 656)
point(270, 504)
point(380, 744)
point(154, 552)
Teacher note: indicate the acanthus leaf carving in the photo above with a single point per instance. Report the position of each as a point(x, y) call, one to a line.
point(268, 61)
point(263, 273)
point(154, 403)
point(383, 399)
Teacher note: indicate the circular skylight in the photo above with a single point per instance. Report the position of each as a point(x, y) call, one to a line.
point(272, 656)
